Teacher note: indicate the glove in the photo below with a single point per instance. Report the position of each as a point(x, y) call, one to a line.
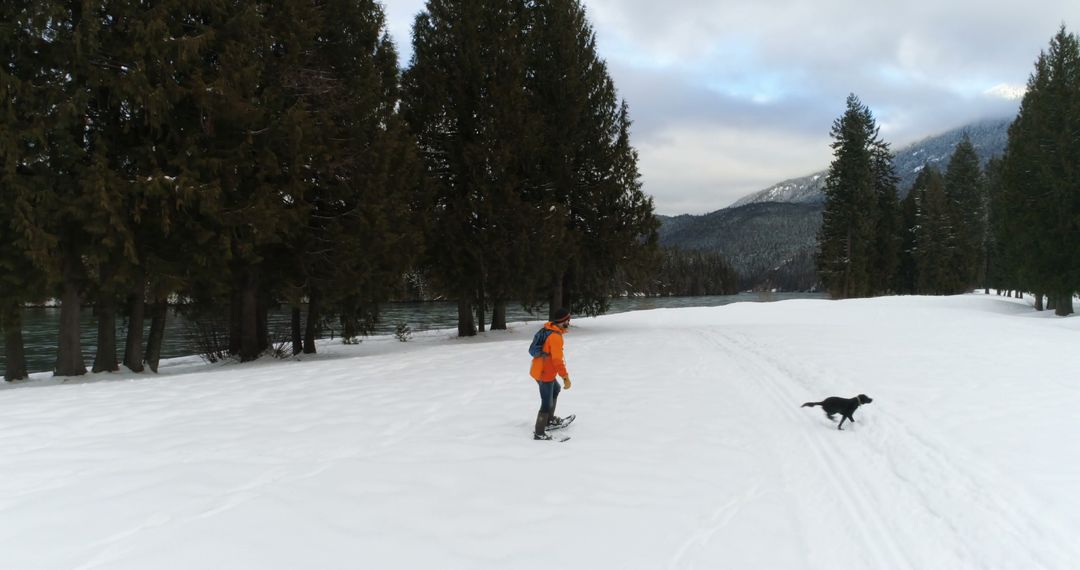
point(566, 382)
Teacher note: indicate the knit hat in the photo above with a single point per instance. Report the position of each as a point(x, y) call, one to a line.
point(561, 315)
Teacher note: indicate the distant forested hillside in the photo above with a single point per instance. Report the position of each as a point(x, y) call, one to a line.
point(770, 236)
point(769, 244)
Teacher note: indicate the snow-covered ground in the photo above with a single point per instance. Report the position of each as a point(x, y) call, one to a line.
point(690, 449)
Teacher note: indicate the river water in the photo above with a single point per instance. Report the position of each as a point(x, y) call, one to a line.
point(40, 324)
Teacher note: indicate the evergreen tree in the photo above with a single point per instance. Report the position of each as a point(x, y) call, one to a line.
point(24, 255)
point(509, 141)
point(935, 237)
point(888, 234)
point(354, 163)
point(447, 108)
point(966, 192)
point(907, 271)
point(849, 237)
point(998, 266)
point(63, 172)
point(1039, 202)
point(467, 101)
point(632, 230)
point(586, 160)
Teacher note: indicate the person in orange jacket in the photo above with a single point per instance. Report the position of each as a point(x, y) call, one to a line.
point(544, 370)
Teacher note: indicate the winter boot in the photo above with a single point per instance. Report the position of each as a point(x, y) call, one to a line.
point(541, 425)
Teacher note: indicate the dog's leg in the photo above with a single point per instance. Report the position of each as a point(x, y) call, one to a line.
point(841, 426)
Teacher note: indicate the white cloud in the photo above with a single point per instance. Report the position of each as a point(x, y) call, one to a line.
point(700, 168)
point(731, 97)
point(1007, 91)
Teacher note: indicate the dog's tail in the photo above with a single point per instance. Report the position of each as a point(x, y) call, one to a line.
point(810, 404)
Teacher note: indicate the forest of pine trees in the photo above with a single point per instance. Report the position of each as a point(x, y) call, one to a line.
point(1035, 190)
point(691, 273)
point(246, 155)
point(1013, 224)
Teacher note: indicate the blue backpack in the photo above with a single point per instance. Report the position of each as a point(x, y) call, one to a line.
point(536, 349)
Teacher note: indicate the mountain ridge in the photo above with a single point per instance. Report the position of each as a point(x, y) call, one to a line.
point(988, 136)
point(770, 236)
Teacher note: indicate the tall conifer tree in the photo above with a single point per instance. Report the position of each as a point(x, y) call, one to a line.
point(847, 241)
point(586, 159)
point(935, 238)
point(23, 255)
point(887, 234)
point(965, 188)
point(1039, 204)
point(466, 100)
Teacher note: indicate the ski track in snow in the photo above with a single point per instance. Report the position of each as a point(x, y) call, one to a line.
point(918, 467)
point(859, 507)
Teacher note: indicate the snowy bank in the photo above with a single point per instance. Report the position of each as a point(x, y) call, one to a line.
point(690, 449)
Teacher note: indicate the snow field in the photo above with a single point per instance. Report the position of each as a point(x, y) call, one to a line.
point(690, 449)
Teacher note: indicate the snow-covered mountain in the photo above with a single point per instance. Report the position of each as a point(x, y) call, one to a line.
point(807, 189)
point(988, 136)
point(770, 236)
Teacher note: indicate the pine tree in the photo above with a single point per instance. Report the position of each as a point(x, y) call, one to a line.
point(586, 159)
point(355, 165)
point(633, 224)
point(966, 191)
point(1039, 201)
point(68, 178)
point(505, 214)
point(998, 266)
point(465, 99)
point(848, 241)
point(907, 269)
point(888, 238)
point(24, 254)
point(935, 237)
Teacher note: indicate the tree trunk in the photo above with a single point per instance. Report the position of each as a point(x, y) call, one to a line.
point(311, 328)
point(14, 353)
point(249, 317)
point(158, 312)
point(556, 295)
point(262, 324)
point(1038, 301)
point(69, 359)
point(568, 292)
point(105, 358)
point(465, 318)
point(498, 316)
point(1064, 304)
point(297, 338)
point(133, 344)
point(236, 315)
point(480, 307)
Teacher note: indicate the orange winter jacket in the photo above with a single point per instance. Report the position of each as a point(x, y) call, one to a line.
point(545, 368)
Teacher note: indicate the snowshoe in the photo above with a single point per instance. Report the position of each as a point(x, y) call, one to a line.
point(559, 423)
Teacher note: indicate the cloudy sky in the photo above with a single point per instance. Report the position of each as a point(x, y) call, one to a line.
point(731, 96)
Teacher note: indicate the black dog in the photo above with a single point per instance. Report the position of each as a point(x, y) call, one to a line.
point(843, 406)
